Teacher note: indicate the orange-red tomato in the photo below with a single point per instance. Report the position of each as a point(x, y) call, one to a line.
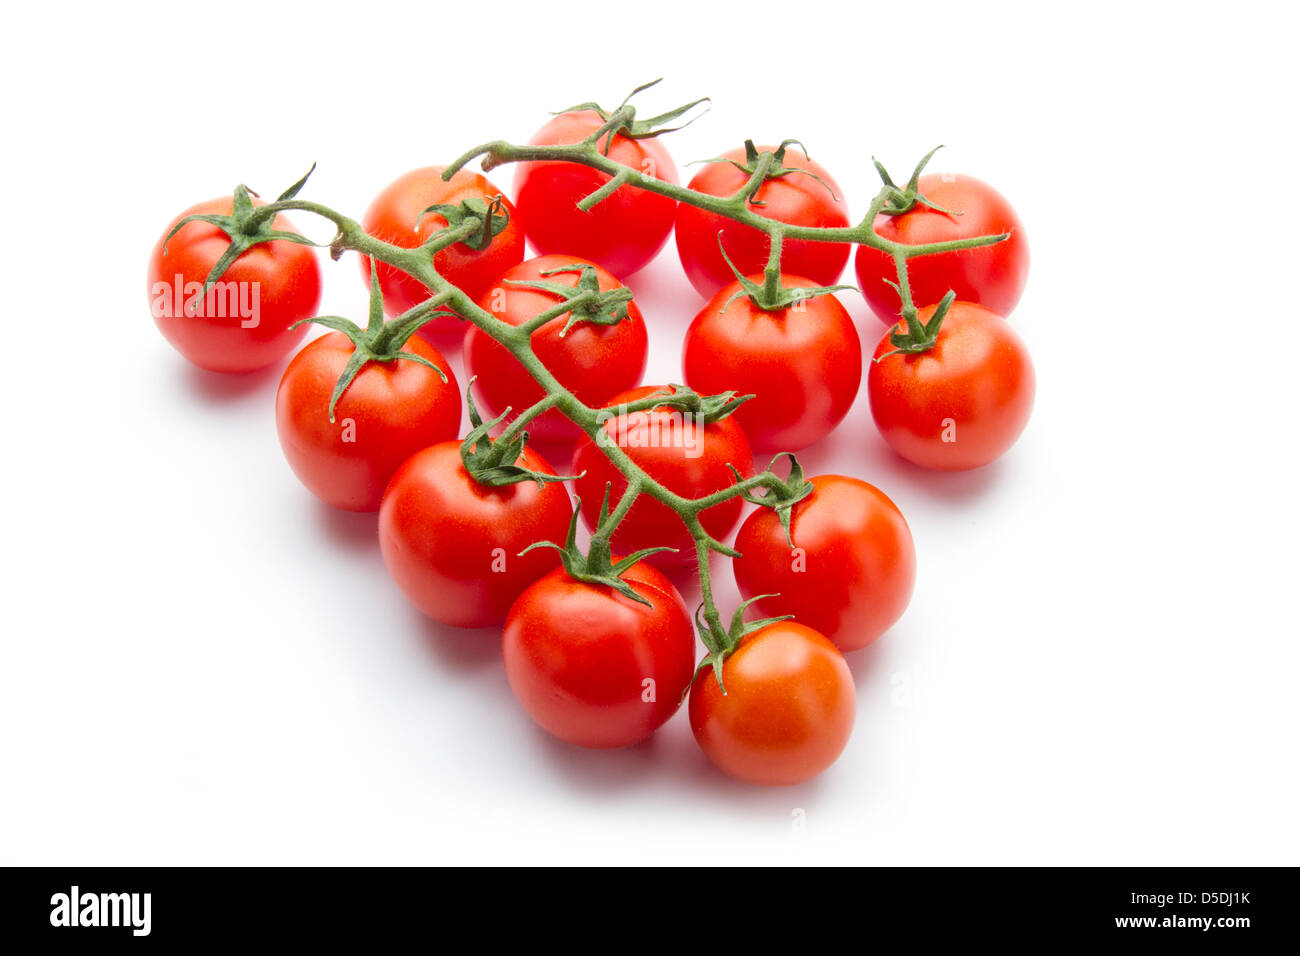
point(593, 361)
point(961, 404)
point(623, 232)
point(392, 217)
point(802, 364)
point(992, 276)
point(389, 412)
point(795, 198)
point(788, 711)
point(452, 544)
point(595, 668)
point(243, 323)
point(850, 572)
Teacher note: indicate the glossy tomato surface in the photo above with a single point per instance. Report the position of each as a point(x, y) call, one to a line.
point(991, 276)
point(393, 216)
point(802, 364)
point(595, 668)
point(243, 324)
point(795, 197)
point(452, 544)
point(850, 570)
point(963, 403)
point(677, 450)
point(593, 361)
point(389, 412)
point(788, 711)
point(622, 233)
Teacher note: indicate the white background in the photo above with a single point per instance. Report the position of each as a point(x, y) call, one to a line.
point(202, 664)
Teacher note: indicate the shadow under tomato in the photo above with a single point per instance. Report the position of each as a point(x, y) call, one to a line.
point(865, 662)
point(956, 487)
point(600, 771)
point(460, 649)
point(353, 531)
point(672, 760)
point(225, 388)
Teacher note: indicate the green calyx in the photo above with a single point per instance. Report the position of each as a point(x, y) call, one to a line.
point(379, 341)
point(772, 295)
point(900, 200)
point(490, 216)
point(706, 408)
point(773, 168)
point(780, 495)
point(722, 644)
point(597, 565)
point(586, 301)
point(919, 337)
point(495, 462)
point(247, 226)
point(623, 121)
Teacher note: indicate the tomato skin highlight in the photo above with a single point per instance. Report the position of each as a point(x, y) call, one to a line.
point(795, 198)
point(452, 545)
point(392, 217)
point(285, 274)
point(992, 276)
point(622, 233)
point(594, 362)
point(577, 657)
point(803, 364)
point(789, 708)
point(680, 454)
point(963, 403)
point(853, 575)
point(390, 411)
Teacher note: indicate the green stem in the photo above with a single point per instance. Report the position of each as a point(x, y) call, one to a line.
point(418, 262)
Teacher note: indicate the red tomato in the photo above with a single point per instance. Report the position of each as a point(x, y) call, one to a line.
point(802, 364)
point(594, 362)
point(594, 667)
point(795, 198)
point(243, 323)
point(622, 233)
point(681, 454)
point(389, 412)
point(991, 276)
point(852, 567)
point(788, 710)
point(392, 217)
point(452, 544)
point(961, 404)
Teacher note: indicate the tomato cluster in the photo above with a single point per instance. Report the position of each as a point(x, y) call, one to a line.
point(479, 530)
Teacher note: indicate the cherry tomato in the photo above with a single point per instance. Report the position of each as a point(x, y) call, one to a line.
point(452, 544)
point(679, 452)
point(593, 361)
point(243, 323)
point(389, 412)
point(595, 668)
point(850, 572)
point(392, 217)
point(991, 276)
point(961, 404)
point(788, 710)
point(622, 233)
point(795, 198)
point(802, 364)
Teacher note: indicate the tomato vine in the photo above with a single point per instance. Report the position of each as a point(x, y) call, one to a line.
point(471, 224)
